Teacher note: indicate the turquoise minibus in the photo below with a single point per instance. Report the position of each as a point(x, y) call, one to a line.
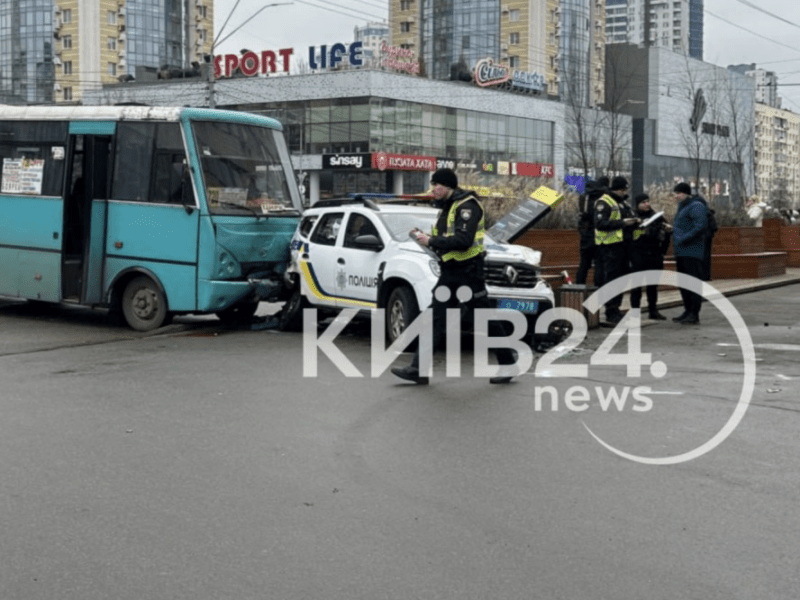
point(147, 211)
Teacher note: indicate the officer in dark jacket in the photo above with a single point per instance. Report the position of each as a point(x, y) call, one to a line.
point(613, 226)
point(457, 238)
point(588, 249)
point(647, 253)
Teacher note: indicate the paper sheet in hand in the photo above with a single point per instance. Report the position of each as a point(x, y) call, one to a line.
point(430, 252)
point(649, 221)
point(528, 212)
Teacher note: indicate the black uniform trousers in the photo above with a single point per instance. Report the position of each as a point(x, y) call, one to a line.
point(615, 260)
point(590, 257)
point(696, 268)
point(643, 261)
point(456, 275)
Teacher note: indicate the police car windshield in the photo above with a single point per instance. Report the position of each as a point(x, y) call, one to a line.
point(399, 224)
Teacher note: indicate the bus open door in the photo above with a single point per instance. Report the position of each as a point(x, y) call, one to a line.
point(85, 217)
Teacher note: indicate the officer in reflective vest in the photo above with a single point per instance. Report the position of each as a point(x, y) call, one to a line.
point(457, 238)
point(613, 226)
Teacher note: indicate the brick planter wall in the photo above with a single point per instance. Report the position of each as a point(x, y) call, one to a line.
point(783, 238)
point(738, 252)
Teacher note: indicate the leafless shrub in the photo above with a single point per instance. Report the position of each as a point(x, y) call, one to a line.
point(500, 200)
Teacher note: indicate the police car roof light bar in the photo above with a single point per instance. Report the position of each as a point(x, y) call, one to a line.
point(393, 197)
point(343, 201)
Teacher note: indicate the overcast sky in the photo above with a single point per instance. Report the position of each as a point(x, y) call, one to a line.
point(299, 24)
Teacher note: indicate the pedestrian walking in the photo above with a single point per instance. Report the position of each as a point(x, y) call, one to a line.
point(688, 241)
point(457, 238)
point(613, 225)
point(647, 253)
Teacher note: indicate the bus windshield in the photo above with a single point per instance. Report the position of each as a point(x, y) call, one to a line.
point(245, 169)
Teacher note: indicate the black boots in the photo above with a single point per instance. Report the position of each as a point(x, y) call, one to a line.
point(410, 373)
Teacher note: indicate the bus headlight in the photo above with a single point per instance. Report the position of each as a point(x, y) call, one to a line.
point(227, 267)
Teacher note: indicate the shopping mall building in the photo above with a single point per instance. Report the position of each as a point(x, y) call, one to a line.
point(381, 131)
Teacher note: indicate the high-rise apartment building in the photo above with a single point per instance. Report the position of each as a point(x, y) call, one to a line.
point(373, 36)
point(54, 50)
point(562, 40)
point(766, 83)
point(777, 156)
point(673, 24)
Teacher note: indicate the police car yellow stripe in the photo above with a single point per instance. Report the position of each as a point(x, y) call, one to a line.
point(319, 293)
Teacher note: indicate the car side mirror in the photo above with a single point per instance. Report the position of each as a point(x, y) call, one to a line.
point(368, 242)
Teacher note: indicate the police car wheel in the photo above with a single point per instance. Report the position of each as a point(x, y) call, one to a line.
point(401, 310)
point(291, 315)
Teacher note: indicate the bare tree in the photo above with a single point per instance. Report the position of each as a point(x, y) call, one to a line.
point(692, 132)
point(740, 140)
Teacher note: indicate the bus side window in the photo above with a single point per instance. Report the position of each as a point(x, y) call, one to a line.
point(135, 143)
point(149, 163)
point(44, 141)
point(170, 177)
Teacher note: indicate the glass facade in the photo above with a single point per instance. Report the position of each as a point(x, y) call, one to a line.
point(696, 29)
point(396, 126)
point(458, 33)
point(373, 124)
point(154, 34)
point(26, 51)
point(573, 46)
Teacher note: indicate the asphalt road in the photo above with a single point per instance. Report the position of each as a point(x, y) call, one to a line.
point(198, 463)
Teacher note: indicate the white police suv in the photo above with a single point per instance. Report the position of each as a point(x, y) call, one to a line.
point(354, 253)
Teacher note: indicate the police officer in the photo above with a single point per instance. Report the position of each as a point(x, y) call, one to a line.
point(647, 253)
point(613, 230)
point(457, 238)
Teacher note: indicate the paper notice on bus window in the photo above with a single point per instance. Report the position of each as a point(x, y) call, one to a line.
point(23, 176)
point(227, 196)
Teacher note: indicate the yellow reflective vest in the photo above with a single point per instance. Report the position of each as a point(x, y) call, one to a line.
point(477, 244)
point(615, 236)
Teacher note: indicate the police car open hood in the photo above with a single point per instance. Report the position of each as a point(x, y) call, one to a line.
point(494, 252)
point(512, 253)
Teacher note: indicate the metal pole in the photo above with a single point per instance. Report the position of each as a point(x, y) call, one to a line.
point(212, 101)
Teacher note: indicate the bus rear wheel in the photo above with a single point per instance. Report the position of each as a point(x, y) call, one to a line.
point(144, 304)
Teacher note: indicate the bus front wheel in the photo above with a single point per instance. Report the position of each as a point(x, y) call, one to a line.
point(144, 304)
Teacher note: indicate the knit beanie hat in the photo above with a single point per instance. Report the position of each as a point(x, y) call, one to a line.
point(618, 183)
point(640, 198)
point(445, 177)
point(683, 188)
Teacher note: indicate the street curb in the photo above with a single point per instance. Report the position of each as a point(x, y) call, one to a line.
point(754, 287)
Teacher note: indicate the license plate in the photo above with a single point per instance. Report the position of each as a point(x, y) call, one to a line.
point(525, 306)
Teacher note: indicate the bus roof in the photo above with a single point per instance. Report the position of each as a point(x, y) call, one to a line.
point(128, 113)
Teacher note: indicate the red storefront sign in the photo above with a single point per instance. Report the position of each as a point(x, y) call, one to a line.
point(402, 162)
point(533, 169)
point(525, 169)
point(251, 63)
